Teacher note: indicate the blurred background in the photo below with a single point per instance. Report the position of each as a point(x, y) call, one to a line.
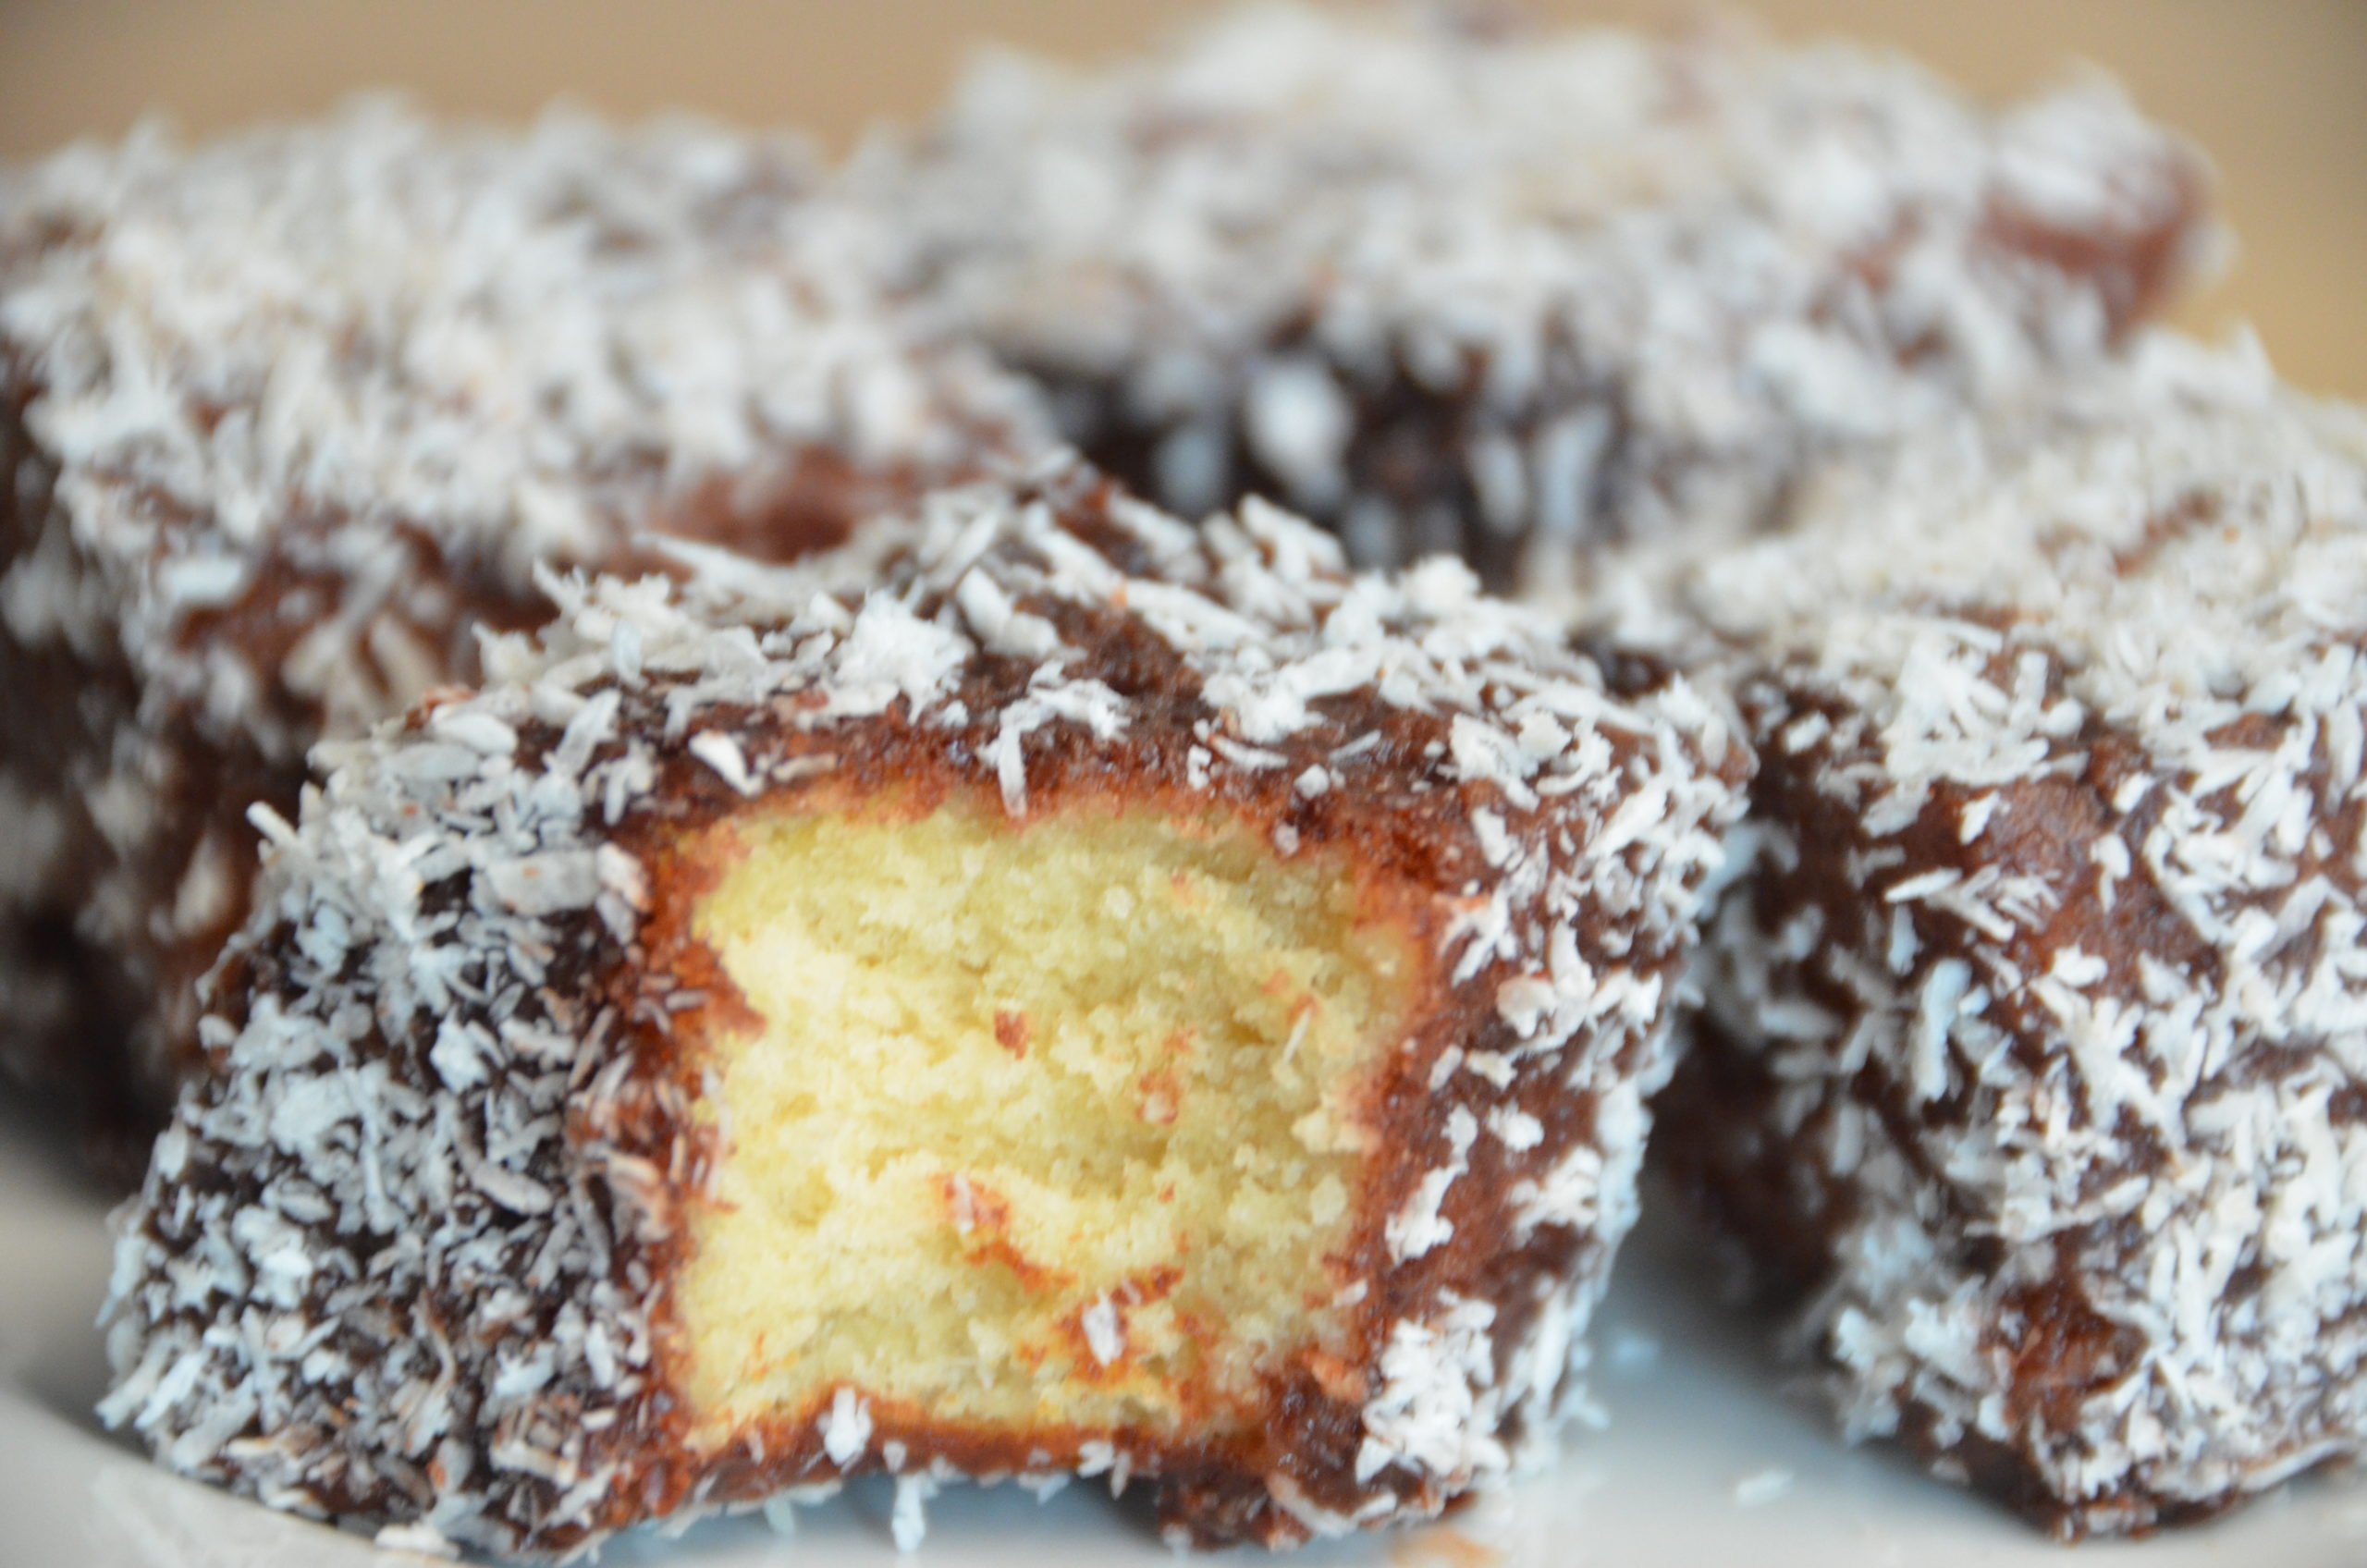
point(2274, 89)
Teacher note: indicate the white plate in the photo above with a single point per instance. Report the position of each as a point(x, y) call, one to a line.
point(1708, 1458)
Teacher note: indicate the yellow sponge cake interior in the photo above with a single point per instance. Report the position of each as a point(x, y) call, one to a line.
point(1052, 1123)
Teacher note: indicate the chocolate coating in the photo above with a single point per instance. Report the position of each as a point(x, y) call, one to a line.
point(1514, 293)
point(286, 420)
point(2034, 1032)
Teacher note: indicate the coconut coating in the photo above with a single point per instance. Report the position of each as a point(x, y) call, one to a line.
point(2035, 1031)
point(1510, 292)
point(288, 417)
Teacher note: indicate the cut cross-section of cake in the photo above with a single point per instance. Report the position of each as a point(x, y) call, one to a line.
point(1045, 991)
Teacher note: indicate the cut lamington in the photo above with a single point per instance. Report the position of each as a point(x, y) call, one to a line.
point(283, 418)
point(1501, 291)
point(1048, 991)
point(2037, 1038)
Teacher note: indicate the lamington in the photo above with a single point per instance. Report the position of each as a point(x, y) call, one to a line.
point(285, 418)
point(1045, 991)
point(2035, 1057)
point(1449, 283)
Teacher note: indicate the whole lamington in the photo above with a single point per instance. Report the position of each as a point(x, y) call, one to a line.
point(1445, 281)
point(286, 417)
point(2036, 1032)
point(1049, 990)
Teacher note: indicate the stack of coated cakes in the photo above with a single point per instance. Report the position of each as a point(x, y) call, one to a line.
point(1079, 797)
